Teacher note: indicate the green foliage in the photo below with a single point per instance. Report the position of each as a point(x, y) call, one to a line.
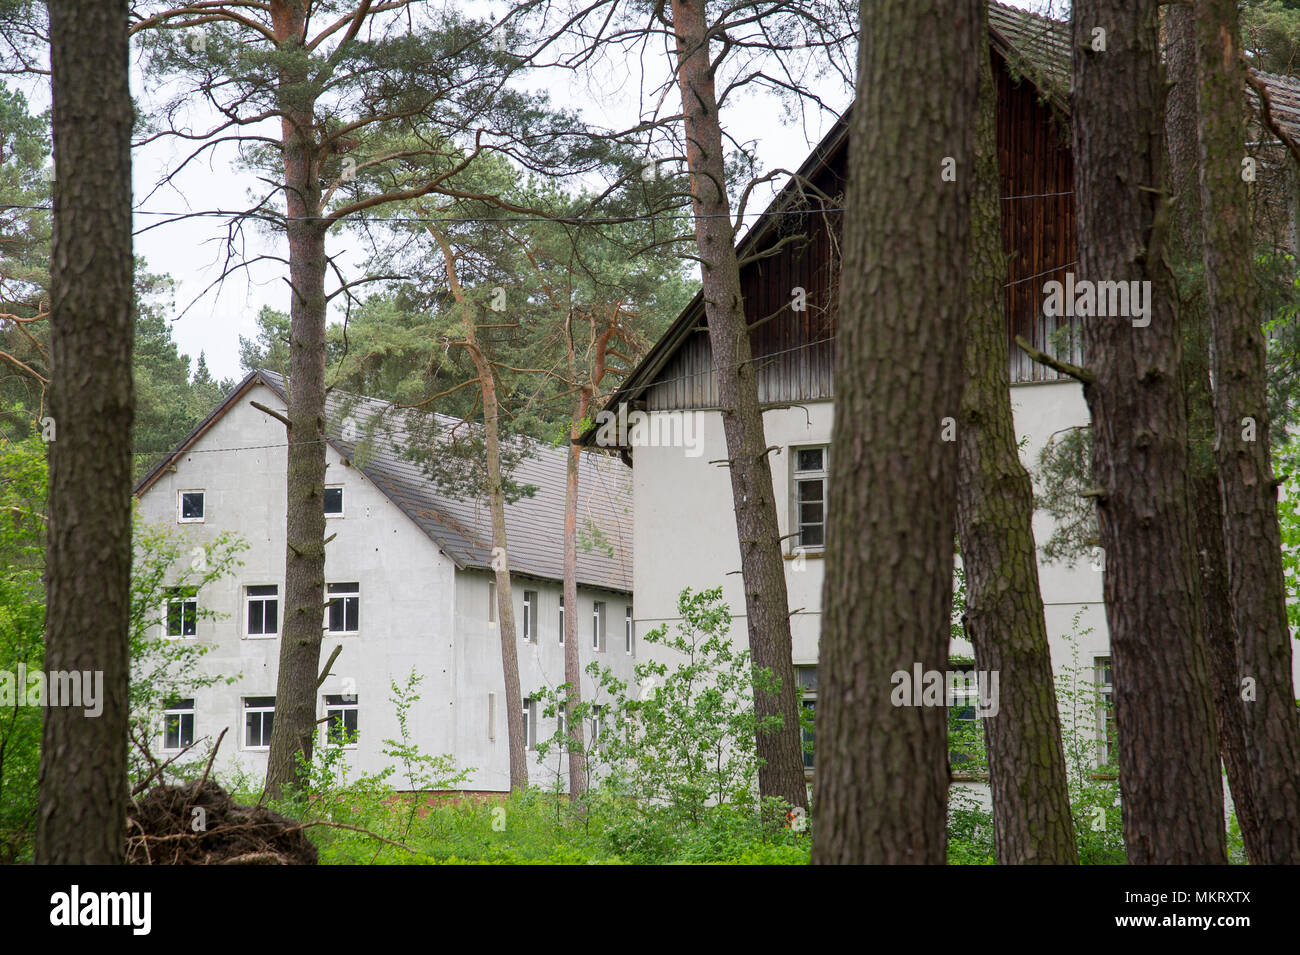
point(1270, 32)
point(163, 668)
point(685, 737)
point(1063, 473)
point(22, 624)
point(1093, 784)
point(24, 256)
point(1093, 788)
point(169, 400)
point(676, 755)
point(1286, 466)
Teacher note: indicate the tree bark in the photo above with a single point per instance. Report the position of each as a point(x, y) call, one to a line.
point(294, 730)
point(572, 659)
point(1163, 704)
point(1207, 502)
point(762, 566)
point(83, 784)
point(882, 769)
point(1251, 537)
point(1221, 642)
point(1032, 822)
point(501, 564)
point(514, 700)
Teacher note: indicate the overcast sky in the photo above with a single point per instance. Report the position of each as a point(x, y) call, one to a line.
point(191, 251)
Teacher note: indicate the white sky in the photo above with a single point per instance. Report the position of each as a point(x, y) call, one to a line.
point(190, 251)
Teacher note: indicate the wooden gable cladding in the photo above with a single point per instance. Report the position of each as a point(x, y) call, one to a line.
point(1031, 58)
point(1037, 173)
point(795, 350)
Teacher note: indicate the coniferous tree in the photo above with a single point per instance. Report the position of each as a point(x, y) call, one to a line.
point(882, 768)
point(83, 784)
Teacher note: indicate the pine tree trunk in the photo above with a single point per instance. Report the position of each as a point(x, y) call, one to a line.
point(882, 769)
point(294, 730)
point(83, 783)
point(572, 660)
point(1207, 503)
point(1164, 710)
point(501, 565)
point(761, 563)
point(1221, 642)
point(995, 507)
point(1251, 537)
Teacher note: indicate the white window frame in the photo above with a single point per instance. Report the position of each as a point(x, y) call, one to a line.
point(598, 626)
point(597, 738)
point(529, 628)
point(807, 695)
point(248, 600)
point(343, 502)
point(176, 595)
point(345, 596)
point(492, 602)
point(180, 506)
point(344, 703)
point(561, 618)
point(1105, 706)
point(629, 632)
point(179, 709)
point(797, 478)
point(263, 709)
point(530, 723)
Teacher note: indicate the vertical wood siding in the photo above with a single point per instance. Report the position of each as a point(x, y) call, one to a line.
point(794, 350)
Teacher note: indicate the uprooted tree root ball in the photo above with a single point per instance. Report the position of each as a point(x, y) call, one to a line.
point(199, 824)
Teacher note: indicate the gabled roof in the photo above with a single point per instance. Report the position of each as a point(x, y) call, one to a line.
point(462, 529)
point(1035, 48)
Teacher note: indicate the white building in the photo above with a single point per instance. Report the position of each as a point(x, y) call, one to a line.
point(409, 579)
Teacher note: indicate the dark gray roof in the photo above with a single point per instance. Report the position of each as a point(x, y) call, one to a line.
point(462, 529)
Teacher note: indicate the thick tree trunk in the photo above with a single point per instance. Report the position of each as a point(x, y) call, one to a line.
point(294, 730)
point(1252, 541)
point(1221, 642)
point(882, 769)
point(1207, 503)
point(83, 786)
point(1163, 704)
point(762, 566)
point(995, 507)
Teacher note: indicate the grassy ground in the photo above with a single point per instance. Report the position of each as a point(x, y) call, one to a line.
point(536, 828)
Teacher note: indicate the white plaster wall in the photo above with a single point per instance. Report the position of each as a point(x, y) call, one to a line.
point(686, 533)
point(686, 525)
point(541, 664)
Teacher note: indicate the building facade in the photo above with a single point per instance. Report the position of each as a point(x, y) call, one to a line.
point(410, 588)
